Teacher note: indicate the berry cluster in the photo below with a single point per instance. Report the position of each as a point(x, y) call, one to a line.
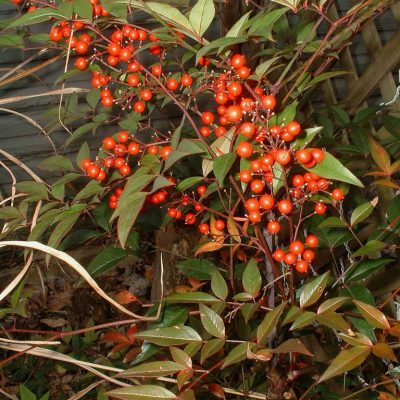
point(243, 113)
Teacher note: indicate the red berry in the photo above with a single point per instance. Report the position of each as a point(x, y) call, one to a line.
point(219, 225)
point(245, 176)
point(290, 258)
point(312, 241)
point(244, 149)
point(303, 156)
point(204, 228)
point(296, 247)
point(208, 117)
point(285, 207)
point(81, 63)
point(308, 255)
point(234, 113)
point(273, 227)
point(282, 157)
point(190, 219)
point(267, 202)
point(186, 80)
point(237, 61)
point(252, 205)
point(269, 102)
point(123, 136)
point(302, 266)
point(93, 171)
point(86, 163)
point(109, 143)
point(278, 255)
point(337, 194)
point(320, 208)
point(293, 128)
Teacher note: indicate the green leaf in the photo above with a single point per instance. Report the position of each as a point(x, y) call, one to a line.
point(331, 168)
point(201, 16)
point(210, 348)
point(83, 8)
point(198, 268)
point(218, 285)
point(170, 15)
point(212, 322)
point(237, 354)
point(304, 319)
point(91, 189)
point(332, 222)
point(170, 336)
point(9, 212)
point(61, 230)
point(332, 304)
point(370, 247)
point(238, 27)
point(159, 183)
point(222, 165)
point(181, 357)
point(380, 155)
point(93, 98)
point(248, 310)
point(105, 260)
point(84, 152)
point(345, 361)
point(364, 269)
point(362, 212)
point(292, 346)
point(324, 76)
point(251, 279)
point(263, 68)
point(25, 393)
point(269, 323)
point(188, 182)
point(142, 392)
point(56, 163)
point(306, 137)
point(375, 317)
point(262, 24)
point(37, 189)
point(80, 132)
point(128, 215)
point(279, 177)
point(42, 15)
point(152, 369)
point(218, 45)
point(334, 321)
point(77, 238)
point(11, 40)
point(312, 291)
point(191, 298)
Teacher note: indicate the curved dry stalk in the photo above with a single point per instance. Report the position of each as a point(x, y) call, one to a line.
point(13, 191)
point(9, 396)
point(63, 84)
point(6, 200)
point(28, 72)
point(22, 64)
point(21, 165)
point(82, 392)
point(54, 355)
point(33, 123)
point(78, 268)
point(31, 342)
point(14, 283)
point(49, 93)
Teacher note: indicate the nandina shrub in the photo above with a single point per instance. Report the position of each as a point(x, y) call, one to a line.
point(272, 309)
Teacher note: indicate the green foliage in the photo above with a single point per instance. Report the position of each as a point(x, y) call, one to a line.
point(243, 323)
